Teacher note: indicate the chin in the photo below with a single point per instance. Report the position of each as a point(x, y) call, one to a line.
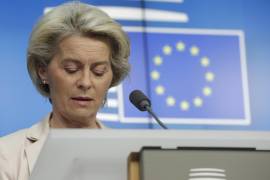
point(82, 115)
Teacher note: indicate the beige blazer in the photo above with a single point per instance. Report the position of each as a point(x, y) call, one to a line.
point(19, 151)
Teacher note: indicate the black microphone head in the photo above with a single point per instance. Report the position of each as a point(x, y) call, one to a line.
point(139, 100)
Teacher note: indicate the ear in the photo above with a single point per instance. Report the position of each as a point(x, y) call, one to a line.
point(43, 73)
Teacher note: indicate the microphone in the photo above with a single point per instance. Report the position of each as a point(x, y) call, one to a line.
point(142, 102)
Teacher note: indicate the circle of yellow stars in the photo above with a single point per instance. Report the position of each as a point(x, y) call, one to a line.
point(204, 61)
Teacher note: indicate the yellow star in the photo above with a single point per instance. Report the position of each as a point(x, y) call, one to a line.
point(209, 76)
point(205, 61)
point(194, 51)
point(207, 91)
point(180, 46)
point(170, 101)
point(155, 75)
point(167, 50)
point(197, 102)
point(158, 60)
point(160, 90)
point(184, 105)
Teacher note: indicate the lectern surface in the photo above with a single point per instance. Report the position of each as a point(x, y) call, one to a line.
point(102, 154)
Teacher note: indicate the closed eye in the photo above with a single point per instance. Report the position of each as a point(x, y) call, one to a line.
point(71, 66)
point(100, 69)
point(71, 70)
point(100, 72)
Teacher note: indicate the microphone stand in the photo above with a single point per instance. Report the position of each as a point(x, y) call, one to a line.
point(149, 110)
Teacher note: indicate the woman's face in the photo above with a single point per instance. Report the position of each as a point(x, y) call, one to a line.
point(79, 76)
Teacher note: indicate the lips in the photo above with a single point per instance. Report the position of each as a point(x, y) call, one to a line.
point(81, 98)
point(82, 101)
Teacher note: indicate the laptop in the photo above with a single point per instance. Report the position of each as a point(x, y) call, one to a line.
point(204, 164)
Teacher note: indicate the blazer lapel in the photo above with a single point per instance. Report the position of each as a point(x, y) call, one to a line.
point(35, 138)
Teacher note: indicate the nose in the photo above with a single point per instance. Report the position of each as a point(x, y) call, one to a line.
point(84, 82)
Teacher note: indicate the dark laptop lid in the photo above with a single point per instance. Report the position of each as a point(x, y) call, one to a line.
point(204, 164)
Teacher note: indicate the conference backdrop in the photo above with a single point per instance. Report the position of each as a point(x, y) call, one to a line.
point(203, 63)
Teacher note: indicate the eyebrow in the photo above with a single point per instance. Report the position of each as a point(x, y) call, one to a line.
point(101, 63)
point(67, 60)
point(76, 61)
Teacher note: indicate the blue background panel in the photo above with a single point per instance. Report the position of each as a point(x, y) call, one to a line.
point(21, 105)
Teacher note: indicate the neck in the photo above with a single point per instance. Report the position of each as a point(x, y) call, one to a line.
point(57, 121)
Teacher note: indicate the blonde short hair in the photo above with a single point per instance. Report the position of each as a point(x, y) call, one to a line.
point(75, 18)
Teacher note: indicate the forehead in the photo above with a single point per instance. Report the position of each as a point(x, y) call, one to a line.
point(84, 48)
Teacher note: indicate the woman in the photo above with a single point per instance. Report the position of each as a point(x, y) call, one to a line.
point(76, 53)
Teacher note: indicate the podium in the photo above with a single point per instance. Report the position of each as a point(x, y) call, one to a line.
point(70, 154)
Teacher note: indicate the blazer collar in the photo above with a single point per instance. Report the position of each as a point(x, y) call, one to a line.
point(36, 136)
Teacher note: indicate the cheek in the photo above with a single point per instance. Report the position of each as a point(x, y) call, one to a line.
point(105, 85)
point(110, 80)
point(59, 84)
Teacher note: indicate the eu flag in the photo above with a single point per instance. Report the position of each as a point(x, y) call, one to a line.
point(192, 76)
